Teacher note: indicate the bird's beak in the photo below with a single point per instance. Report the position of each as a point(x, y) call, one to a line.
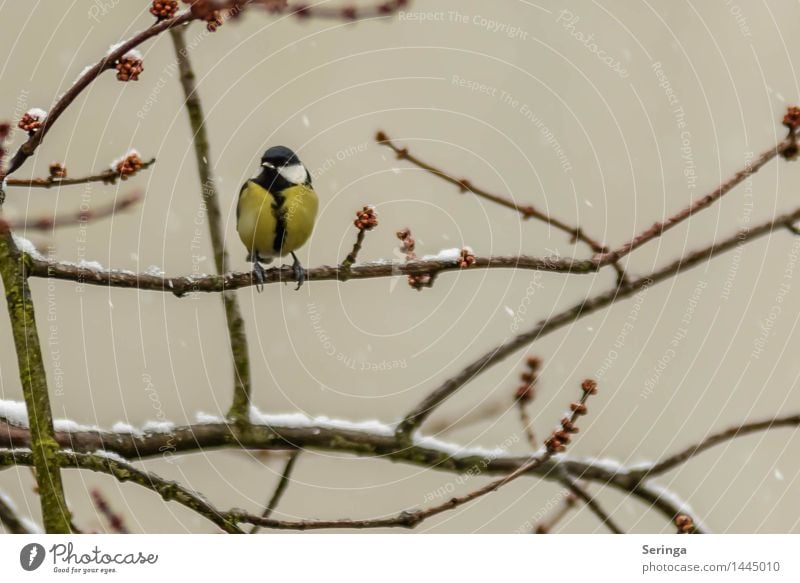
point(268, 165)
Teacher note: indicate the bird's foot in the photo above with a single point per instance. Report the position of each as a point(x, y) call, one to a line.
point(260, 275)
point(299, 272)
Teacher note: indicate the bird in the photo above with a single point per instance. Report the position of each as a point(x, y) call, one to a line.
point(276, 211)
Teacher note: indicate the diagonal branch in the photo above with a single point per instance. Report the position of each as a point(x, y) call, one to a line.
point(591, 503)
point(283, 483)
point(9, 518)
point(27, 149)
point(527, 211)
point(428, 405)
point(233, 313)
point(125, 472)
point(79, 218)
point(662, 226)
point(715, 439)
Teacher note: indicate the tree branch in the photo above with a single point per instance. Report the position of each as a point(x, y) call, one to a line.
point(14, 271)
point(9, 518)
point(233, 313)
point(27, 149)
point(182, 285)
point(580, 492)
point(429, 404)
point(283, 483)
point(44, 223)
point(661, 227)
point(527, 211)
point(109, 176)
point(712, 440)
point(125, 472)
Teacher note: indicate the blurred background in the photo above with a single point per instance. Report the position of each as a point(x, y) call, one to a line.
point(610, 117)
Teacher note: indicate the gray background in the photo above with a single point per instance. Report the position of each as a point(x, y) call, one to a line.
point(324, 88)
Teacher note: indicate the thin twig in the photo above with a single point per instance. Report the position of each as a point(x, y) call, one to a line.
point(712, 440)
point(283, 483)
point(578, 490)
point(27, 149)
point(233, 314)
point(109, 176)
point(9, 518)
point(114, 519)
point(79, 218)
point(547, 526)
point(14, 272)
point(661, 227)
point(527, 211)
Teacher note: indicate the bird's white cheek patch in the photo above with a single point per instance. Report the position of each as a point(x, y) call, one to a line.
point(296, 173)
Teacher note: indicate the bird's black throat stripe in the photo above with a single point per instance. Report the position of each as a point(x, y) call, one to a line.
point(280, 221)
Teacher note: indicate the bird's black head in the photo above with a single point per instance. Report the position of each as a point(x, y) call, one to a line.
point(281, 168)
point(279, 156)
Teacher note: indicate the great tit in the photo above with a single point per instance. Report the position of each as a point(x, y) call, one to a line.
point(276, 211)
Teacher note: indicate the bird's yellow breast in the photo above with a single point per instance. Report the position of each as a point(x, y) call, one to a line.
point(275, 225)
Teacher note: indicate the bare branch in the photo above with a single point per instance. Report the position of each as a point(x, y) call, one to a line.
point(662, 226)
point(580, 492)
point(182, 285)
point(527, 211)
point(283, 483)
point(429, 404)
point(9, 518)
point(216, 226)
point(107, 62)
point(109, 176)
point(81, 217)
point(714, 439)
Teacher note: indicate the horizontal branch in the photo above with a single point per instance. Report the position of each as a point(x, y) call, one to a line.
point(370, 442)
point(182, 285)
point(109, 176)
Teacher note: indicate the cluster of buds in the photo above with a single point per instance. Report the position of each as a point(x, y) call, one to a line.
point(128, 165)
point(164, 9)
point(792, 118)
point(407, 245)
point(212, 11)
point(129, 66)
point(366, 219)
point(115, 521)
point(526, 391)
point(57, 170)
point(685, 524)
point(792, 121)
point(560, 438)
point(467, 259)
point(32, 120)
